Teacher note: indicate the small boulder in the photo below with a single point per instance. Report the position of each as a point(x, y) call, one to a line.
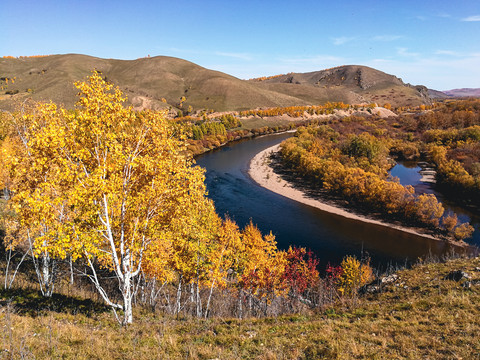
point(469, 284)
point(389, 279)
point(376, 286)
point(457, 275)
point(370, 289)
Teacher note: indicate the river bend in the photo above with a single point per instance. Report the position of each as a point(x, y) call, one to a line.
point(330, 236)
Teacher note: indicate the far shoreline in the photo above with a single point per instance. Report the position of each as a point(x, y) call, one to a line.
point(265, 176)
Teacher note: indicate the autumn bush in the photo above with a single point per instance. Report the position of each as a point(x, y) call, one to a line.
point(354, 274)
point(347, 160)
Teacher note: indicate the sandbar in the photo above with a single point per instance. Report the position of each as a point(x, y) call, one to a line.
point(261, 171)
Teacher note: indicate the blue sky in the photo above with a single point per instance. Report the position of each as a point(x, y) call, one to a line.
point(434, 43)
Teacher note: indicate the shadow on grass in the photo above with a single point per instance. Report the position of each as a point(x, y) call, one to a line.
point(32, 302)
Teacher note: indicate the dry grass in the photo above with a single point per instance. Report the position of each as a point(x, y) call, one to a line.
point(256, 122)
point(420, 316)
point(146, 81)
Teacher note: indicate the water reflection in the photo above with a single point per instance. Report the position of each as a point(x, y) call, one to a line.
point(409, 174)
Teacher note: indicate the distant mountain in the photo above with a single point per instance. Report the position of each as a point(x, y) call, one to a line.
point(465, 92)
point(435, 94)
point(161, 81)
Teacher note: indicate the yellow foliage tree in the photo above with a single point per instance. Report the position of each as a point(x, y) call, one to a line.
point(463, 231)
point(262, 265)
point(110, 183)
point(34, 183)
point(354, 275)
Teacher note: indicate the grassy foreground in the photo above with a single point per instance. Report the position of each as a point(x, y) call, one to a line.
point(420, 315)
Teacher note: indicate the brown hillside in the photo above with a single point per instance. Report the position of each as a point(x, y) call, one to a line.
point(146, 81)
point(349, 83)
point(465, 92)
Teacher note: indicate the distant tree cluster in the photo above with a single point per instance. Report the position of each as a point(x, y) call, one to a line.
point(263, 78)
point(208, 128)
point(298, 111)
point(451, 132)
point(230, 121)
point(351, 159)
point(215, 126)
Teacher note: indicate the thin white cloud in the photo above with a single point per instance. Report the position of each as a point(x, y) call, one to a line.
point(472, 18)
point(404, 52)
point(381, 61)
point(342, 40)
point(457, 54)
point(447, 52)
point(387, 37)
point(421, 17)
point(240, 56)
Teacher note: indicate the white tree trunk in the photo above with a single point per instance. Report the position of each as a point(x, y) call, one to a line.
point(48, 274)
point(240, 304)
point(179, 296)
point(46, 271)
point(71, 270)
point(9, 278)
point(207, 309)
point(127, 300)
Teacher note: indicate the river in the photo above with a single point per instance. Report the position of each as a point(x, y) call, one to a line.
point(408, 172)
point(330, 236)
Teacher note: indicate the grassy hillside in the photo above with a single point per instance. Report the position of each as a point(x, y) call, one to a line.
point(420, 314)
point(148, 81)
point(145, 81)
point(349, 84)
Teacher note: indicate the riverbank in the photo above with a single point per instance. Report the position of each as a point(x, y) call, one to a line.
point(256, 126)
point(262, 172)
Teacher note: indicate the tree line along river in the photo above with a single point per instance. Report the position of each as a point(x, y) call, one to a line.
point(330, 236)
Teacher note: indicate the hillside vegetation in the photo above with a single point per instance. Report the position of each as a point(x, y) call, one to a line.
point(160, 82)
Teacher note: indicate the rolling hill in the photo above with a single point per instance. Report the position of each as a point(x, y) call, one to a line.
point(435, 94)
point(350, 84)
point(161, 81)
point(465, 92)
